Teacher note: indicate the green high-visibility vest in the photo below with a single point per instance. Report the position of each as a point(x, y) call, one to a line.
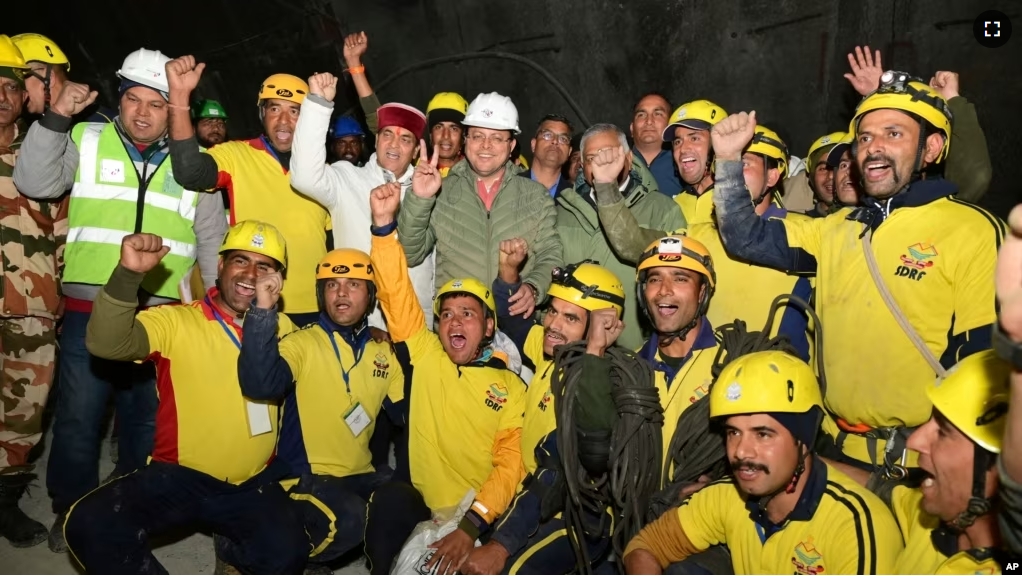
point(104, 208)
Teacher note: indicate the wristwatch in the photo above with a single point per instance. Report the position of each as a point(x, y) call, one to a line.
point(1006, 348)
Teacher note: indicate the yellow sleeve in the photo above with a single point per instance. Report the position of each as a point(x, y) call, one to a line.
point(704, 514)
point(534, 345)
point(395, 290)
point(862, 536)
point(500, 486)
point(805, 232)
point(974, 298)
point(665, 539)
point(224, 158)
point(292, 348)
point(396, 389)
point(905, 507)
point(161, 325)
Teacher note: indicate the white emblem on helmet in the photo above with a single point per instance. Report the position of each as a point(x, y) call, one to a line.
point(734, 391)
point(258, 240)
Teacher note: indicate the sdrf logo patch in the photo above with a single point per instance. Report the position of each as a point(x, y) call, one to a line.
point(807, 559)
point(496, 397)
point(917, 262)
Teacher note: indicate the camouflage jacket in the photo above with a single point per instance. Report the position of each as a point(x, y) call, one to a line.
point(32, 236)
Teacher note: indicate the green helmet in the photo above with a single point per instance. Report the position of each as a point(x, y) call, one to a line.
point(208, 109)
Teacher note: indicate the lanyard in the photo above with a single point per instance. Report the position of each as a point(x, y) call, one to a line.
point(230, 333)
point(337, 353)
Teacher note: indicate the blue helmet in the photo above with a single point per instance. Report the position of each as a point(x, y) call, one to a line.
point(345, 126)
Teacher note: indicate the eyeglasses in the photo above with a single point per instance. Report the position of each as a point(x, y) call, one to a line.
point(495, 140)
point(547, 135)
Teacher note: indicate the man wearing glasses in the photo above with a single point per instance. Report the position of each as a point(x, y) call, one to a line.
point(483, 202)
point(551, 148)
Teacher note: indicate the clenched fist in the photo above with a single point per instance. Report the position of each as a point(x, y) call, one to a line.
point(513, 253)
point(355, 46)
point(384, 201)
point(142, 252)
point(268, 288)
point(607, 164)
point(183, 74)
point(73, 98)
point(732, 134)
point(945, 83)
point(323, 85)
point(604, 328)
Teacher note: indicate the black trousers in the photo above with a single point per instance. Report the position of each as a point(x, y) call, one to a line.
point(109, 529)
point(394, 510)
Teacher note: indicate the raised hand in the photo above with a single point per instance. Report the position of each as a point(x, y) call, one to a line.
point(268, 288)
point(866, 70)
point(1009, 277)
point(732, 134)
point(73, 98)
point(604, 329)
point(142, 252)
point(183, 74)
point(426, 180)
point(513, 252)
point(355, 46)
point(945, 83)
point(384, 201)
point(324, 85)
point(608, 163)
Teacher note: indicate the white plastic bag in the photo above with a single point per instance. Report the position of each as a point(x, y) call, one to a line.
point(416, 553)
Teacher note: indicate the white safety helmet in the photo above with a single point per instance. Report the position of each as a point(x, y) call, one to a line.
point(147, 67)
point(492, 111)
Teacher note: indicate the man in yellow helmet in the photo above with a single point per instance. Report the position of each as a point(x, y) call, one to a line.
point(688, 132)
point(784, 511)
point(812, 190)
point(48, 75)
point(335, 381)
point(444, 115)
point(465, 408)
point(255, 174)
point(529, 538)
point(915, 261)
point(121, 179)
point(210, 465)
point(32, 234)
point(950, 522)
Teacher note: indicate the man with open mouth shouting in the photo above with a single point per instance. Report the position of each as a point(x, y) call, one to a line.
point(465, 408)
point(784, 510)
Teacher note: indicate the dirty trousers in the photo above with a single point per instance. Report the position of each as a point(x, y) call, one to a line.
point(108, 531)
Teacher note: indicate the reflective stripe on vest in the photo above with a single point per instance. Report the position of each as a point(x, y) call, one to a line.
point(104, 204)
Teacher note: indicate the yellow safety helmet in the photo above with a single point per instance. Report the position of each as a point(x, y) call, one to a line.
point(589, 286)
point(676, 251)
point(698, 115)
point(258, 237)
point(448, 101)
point(39, 48)
point(900, 91)
point(833, 157)
point(771, 381)
point(10, 57)
point(283, 87)
point(469, 286)
point(766, 142)
point(822, 144)
point(346, 263)
point(974, 397)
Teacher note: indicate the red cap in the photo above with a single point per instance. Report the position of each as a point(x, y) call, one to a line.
point(401, 115)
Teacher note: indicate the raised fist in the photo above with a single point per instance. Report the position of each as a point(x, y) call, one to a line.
point(73, 98)
point(513, 252)
point(732, 134)
point(183, 74)
point(945, 83)
point(323, 85)
point(604, 329)
point(384, 201)
point(142, 252)
point(268, 288)
point(355, 46)
point(607, 164)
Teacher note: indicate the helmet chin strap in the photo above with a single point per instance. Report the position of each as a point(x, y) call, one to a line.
point(979, 504)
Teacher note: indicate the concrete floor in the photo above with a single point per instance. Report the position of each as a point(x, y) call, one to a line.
point(192, 554)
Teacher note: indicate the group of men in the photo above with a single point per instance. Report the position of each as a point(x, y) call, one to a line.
point(425, 300)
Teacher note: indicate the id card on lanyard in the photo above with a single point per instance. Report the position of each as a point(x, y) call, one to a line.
point(258, 415)
point(356, 418)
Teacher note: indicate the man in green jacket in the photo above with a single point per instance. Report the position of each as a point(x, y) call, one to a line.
point(578, 223)
point(482, 203)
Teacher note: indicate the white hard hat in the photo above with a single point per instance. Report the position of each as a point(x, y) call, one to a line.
point(492, 111)
point(147, 67)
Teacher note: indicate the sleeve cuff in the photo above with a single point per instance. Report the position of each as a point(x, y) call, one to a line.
point(55, 122)
point(123, 285)
point(321, 101)
point(385, 230)
point(473, 524)
point(260, 313)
